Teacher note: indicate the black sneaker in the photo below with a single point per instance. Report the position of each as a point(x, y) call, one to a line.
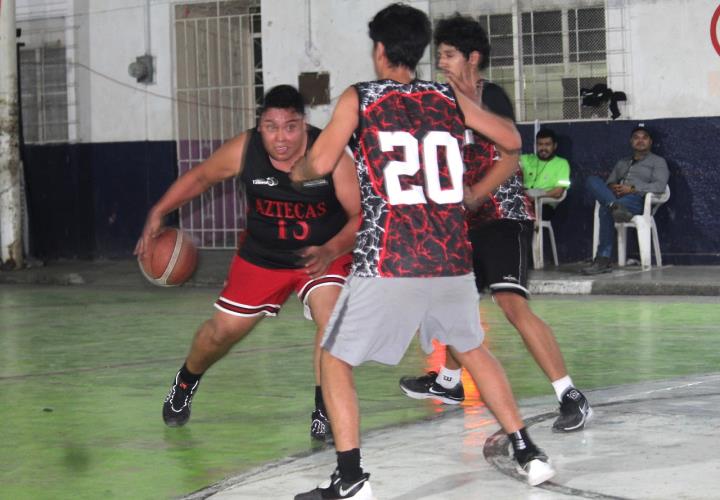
point(599, 266)
point(620, 213)
point(534, 464)
point(336, 488)
point(176, 409)
point(425, 387)
point(320, 426)
point(575, 412)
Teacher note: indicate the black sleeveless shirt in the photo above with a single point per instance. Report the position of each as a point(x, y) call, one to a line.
point(280, 219)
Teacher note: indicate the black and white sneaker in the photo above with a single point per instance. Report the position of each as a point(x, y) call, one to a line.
point(534, 465)
point(425, 387)
point(336, 488)
point(575, 412)
point(320, 426)
point(176, 409)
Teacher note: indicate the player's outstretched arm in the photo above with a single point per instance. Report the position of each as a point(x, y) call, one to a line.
point(325, 153)
point(224, 163)
point(347, 190)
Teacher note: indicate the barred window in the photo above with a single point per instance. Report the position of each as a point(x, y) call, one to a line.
point(587, 34)
point(542, 58)
point(44, 94)
point(219, 85)
point(500, 70)
point(542, 37)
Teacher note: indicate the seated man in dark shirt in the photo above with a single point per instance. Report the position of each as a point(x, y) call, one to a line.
point(622, 195)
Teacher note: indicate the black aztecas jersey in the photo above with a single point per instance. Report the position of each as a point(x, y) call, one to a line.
point(280, 219)
point(408, 156)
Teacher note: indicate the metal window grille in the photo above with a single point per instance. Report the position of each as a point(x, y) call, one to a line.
point(44, 94)
point(542, 55)
point(219, 85)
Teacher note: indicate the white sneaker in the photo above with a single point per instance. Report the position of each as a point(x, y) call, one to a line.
point(537, 469)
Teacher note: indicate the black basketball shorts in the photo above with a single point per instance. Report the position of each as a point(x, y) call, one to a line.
point(501, 251)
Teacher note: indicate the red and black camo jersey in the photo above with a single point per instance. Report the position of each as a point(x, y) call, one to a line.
point(509, 200)
point(409, 164)
point(280, 219)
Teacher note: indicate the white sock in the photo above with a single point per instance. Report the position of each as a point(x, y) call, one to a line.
point(561, 385)
point(448, 378)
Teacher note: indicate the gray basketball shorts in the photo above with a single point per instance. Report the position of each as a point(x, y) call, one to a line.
point(375, 319)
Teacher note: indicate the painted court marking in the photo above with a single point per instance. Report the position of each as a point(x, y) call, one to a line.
point(496, 449)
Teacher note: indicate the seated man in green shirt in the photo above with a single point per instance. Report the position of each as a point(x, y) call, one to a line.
point(545, 174)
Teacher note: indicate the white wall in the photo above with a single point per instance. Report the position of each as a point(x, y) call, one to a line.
point(671, 69)
point(674, 70)
point(332, 37)
point(102, 39)
point(120, 108)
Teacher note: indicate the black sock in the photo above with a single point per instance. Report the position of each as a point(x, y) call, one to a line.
point(349, 465)
point(319, 403)
point(188, 377)
point(521, 443)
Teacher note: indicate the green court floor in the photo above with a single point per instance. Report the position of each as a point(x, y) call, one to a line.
point(83, 373)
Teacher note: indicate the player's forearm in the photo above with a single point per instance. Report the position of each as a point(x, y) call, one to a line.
point(555, 192)
point(304, 170)
point(184, 189)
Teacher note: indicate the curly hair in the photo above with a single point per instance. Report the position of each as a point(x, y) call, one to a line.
point(466, 35)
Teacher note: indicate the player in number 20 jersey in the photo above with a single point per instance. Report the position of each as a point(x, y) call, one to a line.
point(409, 164)
point(412, 268)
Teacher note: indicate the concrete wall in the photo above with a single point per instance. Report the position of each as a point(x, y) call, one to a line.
point(102, 39)
point(660, 55)
point(331, 36)
point(674, 70)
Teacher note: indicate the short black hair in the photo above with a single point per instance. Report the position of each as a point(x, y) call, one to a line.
point(283, 97)
point(544, 133)
point(404, 31)
point(466, 35)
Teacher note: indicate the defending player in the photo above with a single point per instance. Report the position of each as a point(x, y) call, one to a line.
point(500, 231)
point(296, 240)
point(412, 261)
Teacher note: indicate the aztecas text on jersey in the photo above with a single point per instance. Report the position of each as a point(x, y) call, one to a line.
point(280, 219)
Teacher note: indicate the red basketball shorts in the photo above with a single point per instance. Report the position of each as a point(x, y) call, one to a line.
point(253, 290)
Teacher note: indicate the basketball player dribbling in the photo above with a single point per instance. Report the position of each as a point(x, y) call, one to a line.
point(412, 261)
point(296, 240)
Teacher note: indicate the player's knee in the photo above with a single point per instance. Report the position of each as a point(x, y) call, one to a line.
point(218, 333)
point(513, 305)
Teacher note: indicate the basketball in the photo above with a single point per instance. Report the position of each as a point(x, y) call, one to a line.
point(171, 258)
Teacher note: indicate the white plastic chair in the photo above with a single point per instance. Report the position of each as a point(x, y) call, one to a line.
point(645, 227)
point(540, 225)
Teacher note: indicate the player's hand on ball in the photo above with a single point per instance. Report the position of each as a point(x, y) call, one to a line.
point(153, 227)
point(316, 260)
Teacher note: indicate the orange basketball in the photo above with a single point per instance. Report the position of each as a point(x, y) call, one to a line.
point(171, 258)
